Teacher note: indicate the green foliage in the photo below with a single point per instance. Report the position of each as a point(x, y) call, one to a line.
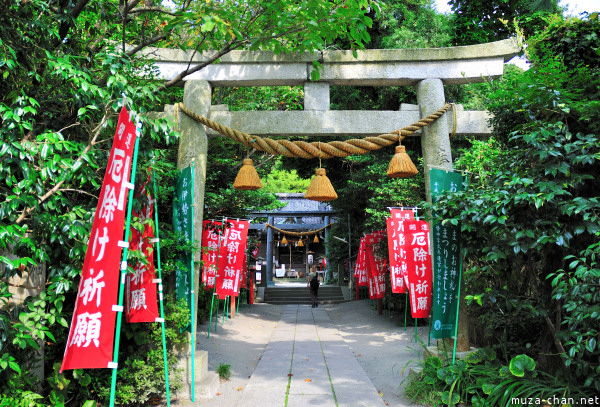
point(281, 180)
point(481, 380)
point(413, 24)
point(260, 98)
point(60, 389)
point(141, 364)
point(481, 21)
point(575, 41)
point(224, 371)
point(578, 292)
point(531, 213)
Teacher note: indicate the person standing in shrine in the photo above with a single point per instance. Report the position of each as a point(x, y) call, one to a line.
point(313, 285)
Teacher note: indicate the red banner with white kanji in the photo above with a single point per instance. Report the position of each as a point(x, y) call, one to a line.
point(376, 265)
point(210, 252)
point(91, 336)
point(396, 249)
point(231, 258)
point(418, 261)
point(397, 255)
point(360, 268)
point(140, 287)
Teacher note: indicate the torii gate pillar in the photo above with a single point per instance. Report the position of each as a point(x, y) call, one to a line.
point(193, 149)
point(435, 141)
point(435, 146)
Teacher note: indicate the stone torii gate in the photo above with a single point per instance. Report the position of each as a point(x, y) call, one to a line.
point(428, 70)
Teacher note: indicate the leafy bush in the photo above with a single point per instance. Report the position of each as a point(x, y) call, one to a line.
point(579, 293)
point(481, 380)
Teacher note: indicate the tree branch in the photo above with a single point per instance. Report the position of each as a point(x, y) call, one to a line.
point(56, 187)
point(147, 43)
point(183, 74)
point(152, 9)
point(78, 190)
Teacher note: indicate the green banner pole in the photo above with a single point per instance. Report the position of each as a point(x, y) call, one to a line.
point(212, 301)
point(160, 288)
point(225, 309)
point(457, 308)
point(217, 314)
point(215, 283)
point(406, 309)
point(123, 273)
point(237, 311)
point(429, 333)
point(416, 331)
point(192, 297)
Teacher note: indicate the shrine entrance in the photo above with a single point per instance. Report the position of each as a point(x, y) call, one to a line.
point(428, 70)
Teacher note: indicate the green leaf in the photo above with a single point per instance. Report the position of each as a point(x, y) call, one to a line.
point(450, 400)
point(14, 366)
point(521, 364)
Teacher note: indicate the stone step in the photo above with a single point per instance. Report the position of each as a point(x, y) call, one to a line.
point(301, 295)
point(206, 382)
point(207, 387)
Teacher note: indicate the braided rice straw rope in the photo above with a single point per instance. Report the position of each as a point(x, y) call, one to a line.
point(297, 234)
point(314, 149)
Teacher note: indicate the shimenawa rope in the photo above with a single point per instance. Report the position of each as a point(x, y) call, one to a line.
point(297, 234)
point(314, 149)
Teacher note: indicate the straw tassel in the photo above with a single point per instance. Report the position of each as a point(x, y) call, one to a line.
point(300, 243)
point(401, 165)
point(284, 240)
point(316, 239)
point(247, 178)
point(320, 188)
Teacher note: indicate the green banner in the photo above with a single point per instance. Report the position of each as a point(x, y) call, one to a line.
point(446, 259)
point(183, 223)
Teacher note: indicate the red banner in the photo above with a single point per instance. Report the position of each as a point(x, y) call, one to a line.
point(418, 261)
point(91, 337)
point(210, 251)
point(140, 300)
point(360, 269)
point(397, 255)
point(376, 265)
point(396, 249)
point(231, 258)
point(244, 276)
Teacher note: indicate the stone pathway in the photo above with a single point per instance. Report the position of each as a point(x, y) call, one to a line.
point(295, 355)
point(307, 363)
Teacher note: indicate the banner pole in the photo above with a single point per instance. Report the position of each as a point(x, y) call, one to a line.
point(416, 331)
point(212, 301)
point(192, 297)
point(215, 283)
point(405, 309)
point(237, 312)
point(160, 288)
point(123, 271)
point(429, 333)
point(457, 309)
point(225, 309)
point(217, 314)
